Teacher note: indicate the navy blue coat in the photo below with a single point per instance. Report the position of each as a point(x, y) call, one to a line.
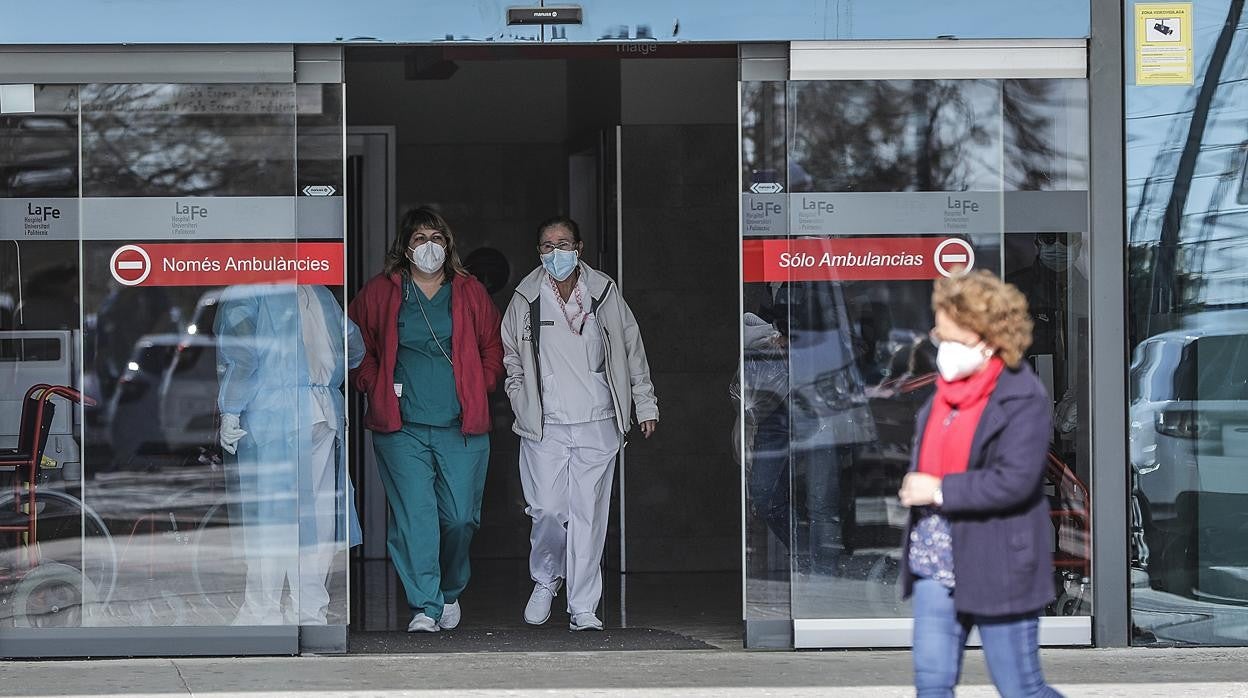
point(997, 510)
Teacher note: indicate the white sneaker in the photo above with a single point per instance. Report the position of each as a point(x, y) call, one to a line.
point(537, 611)
point(422, 623)
point(585, 621)
point(450, 616)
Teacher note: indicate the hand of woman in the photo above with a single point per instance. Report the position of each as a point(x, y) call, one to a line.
point(648, 427)
point(918, 489)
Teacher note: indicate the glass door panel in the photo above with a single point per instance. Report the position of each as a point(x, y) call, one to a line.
point(856, 196)
point(212, 298)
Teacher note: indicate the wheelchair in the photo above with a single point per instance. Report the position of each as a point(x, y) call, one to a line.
point(58, 563)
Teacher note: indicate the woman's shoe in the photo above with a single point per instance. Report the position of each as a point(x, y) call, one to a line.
point(585, 621)
point(450, 616)
point(422, 623)
point(537, 611)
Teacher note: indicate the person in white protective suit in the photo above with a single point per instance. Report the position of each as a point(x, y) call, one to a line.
point(576, 367)
point(281, 365)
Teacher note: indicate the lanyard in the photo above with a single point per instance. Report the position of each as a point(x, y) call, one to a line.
point(418, 293)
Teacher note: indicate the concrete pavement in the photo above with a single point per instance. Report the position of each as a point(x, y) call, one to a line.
point(1172, 673)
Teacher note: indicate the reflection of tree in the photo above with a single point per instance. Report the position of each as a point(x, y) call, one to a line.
point(762, 129)
point(926, 135)
point(1165, 276)
point(155, 140)
point(895, 135)
point(1031, 151)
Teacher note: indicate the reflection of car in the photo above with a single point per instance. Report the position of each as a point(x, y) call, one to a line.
point(1189, 414)
point(28, 357)
point(134, 408)
point(33, 181)
point(1189, 446)
point(38, 155)
point(188, 389)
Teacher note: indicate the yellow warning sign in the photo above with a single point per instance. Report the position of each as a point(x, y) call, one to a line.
point(1163, 43)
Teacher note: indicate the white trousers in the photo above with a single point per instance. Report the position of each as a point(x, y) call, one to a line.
point(567, 484)
point(295, 546)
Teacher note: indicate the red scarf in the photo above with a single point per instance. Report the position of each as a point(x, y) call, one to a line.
point(956, 410)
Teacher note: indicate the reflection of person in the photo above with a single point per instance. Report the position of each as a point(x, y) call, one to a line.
point(977, 547)
point(280, 361)
point(125, 315)
point(765, 389)
point(1053, 285)
point(432, 354)
point(573, 380)
point(49, 301)
point(817, 354)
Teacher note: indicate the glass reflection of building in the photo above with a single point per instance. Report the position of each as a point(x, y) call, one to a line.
point(1188, 409)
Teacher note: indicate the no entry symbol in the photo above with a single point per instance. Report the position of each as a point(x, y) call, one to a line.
point(953, 256)
point(130, 265)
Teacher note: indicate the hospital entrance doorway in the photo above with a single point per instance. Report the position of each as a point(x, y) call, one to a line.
point(640, 148)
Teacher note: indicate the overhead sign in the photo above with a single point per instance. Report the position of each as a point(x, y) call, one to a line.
point(228, 264)
point(855, 259)
point(1163, 44)
point(905, 213)
point(543, 15)
point(317, 214)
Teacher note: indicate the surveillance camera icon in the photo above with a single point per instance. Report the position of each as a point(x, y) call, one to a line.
point(1162, 28)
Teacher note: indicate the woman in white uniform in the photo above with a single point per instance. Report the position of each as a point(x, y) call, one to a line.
point(576, 368)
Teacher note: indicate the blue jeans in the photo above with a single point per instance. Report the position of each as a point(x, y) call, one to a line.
point(1010, 646)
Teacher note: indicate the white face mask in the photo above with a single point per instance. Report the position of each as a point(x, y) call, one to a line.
point(428, 257)
point(957, 360)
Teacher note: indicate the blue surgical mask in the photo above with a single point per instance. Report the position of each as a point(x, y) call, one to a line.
point(560, 263)
point(1055, 256)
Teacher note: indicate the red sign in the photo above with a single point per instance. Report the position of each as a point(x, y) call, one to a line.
point(130, 265)
point(854, 259)
point(228, 263)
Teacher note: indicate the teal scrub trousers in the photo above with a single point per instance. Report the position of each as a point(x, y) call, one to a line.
point(434, 478)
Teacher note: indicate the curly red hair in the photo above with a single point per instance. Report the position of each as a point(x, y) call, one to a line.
point(991, 308)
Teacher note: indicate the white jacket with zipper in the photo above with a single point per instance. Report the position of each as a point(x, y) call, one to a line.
point(628, 372)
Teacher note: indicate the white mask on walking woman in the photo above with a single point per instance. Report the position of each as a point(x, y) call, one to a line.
point(956, 360)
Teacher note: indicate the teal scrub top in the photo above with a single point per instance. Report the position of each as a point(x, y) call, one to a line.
point(429, 396)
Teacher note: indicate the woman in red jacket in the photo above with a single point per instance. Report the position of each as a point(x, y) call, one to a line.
point(433, 353)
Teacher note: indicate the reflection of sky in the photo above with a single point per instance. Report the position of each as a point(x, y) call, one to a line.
point(1214, 252)
point(1157, 116)
point(324, 21)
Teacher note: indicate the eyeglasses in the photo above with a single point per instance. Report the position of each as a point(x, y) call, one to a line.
point(548, 247)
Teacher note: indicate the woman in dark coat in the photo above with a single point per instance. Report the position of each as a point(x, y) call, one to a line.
point(977, 548)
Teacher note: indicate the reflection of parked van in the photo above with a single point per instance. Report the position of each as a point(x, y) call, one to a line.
point(188, 389)
point(28, 357)
point(1189, 414)
point(1189, 444)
